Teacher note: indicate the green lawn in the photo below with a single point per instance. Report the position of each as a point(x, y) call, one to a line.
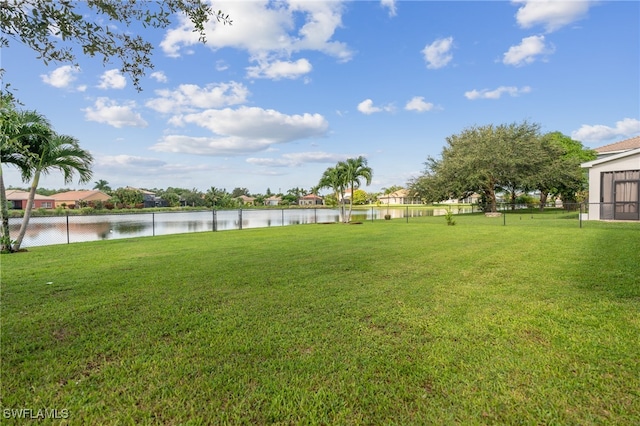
point(385, 322)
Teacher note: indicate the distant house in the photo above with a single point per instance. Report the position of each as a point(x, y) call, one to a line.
point(400, 196)
point(470, 199)
point(73, 199)
point(272, 201)
point(346, 198)
point(149, 199)
point(614, 181)
point(18, 200)
point(310, 200)
point(246, 200)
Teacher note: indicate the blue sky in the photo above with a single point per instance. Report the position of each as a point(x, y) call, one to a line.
point(292, 87)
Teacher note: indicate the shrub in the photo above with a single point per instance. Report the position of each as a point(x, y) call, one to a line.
point(98, 204)
point(449, 218)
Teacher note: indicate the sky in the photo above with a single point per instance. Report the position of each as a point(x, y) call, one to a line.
point(293, 87)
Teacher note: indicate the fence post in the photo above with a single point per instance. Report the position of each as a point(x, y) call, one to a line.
point(407, 214)
point(580, 215)
point(240, 219)
point(371, 213)
point(67, 214)
point(153, 223)
point(214, 218)
point(282, 217)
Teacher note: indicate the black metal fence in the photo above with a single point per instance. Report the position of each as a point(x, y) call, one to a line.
point(70, 228)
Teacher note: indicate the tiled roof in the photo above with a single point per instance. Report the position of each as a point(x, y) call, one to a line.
point(397, 194)
point(76, 195)
point(624, 145)
point(16, 194)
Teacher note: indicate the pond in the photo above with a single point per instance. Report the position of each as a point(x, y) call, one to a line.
point(50, 230)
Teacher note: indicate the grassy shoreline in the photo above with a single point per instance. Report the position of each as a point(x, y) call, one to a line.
point(382, 323)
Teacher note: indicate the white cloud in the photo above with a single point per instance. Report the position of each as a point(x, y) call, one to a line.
point(109, 112)
point(366, 107)
point(61, 77)
point(322, 20)
point(437, 54)
point(188, 97)
point(552, 14)
point(391, 5)
point(418, 104)
point(208, 145)
point(243, 130)
point(496, 93)
point(298, 159)
point(627, 127)
point(527, 51)
point(260, 124)
point(267, 29)
point(280, 69)
point(159, 76)
point(112, 79)
point(221, 65)
point(148, 168)
point(128, 161)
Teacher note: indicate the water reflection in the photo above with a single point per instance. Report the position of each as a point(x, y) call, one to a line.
point(71, 229)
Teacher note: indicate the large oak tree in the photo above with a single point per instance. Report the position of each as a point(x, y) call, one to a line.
point(561, 173)
point(482, 159)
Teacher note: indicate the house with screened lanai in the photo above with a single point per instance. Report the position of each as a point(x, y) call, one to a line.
point(614, 181)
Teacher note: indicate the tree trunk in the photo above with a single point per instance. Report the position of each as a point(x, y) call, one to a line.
point(5, 238)
point(341, 205)
point(338, 205)
point(27, 211)
point(350, 206)
point(543, 199)
point(491, 199)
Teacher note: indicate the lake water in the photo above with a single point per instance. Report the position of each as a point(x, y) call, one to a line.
point(71, 229)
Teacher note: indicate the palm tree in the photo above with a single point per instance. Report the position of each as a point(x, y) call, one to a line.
point(102, 185)
point(57, 152)
point(354, 170)
point(214, 196)
point(19, 130)
point(334, 178)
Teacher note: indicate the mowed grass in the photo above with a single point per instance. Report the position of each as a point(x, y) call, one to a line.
point(384, 322)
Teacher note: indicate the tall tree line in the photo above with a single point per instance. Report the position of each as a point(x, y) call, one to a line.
point(506, 158)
